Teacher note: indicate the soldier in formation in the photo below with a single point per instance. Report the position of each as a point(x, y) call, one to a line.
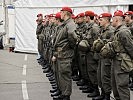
point(90, 49)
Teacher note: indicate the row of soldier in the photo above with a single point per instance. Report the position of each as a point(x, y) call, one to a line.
point(95, 51)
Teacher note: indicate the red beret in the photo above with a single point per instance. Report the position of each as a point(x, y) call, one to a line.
point(58, 15)
point(39, 15)
point(73, 16)
point(66, 9)
point(128, 13)
point(118, 13)
point(105, 15)
point(89, 13)
point(51, 15)
point(80, 15)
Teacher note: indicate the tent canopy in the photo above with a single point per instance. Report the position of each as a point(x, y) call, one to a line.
point(26, 11)
point(71, 3)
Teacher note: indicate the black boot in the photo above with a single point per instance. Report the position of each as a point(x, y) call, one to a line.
point(50, 74)
point(80, 82)
point(57, 93)
point(88, 90)
point(52, 78)
point(66, 97)
point(58, 97)
point(75, 78)
point(46, 70)
point(83, 87)
point(95, 93)
point(107, 97)
point(53, 90)
point(100, 97)
point(52, 82)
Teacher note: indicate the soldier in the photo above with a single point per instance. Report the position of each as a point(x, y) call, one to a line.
point(122, 63)
point(64, 51)
point(129, 22)
point(56, 92)
point(38, 32)
point(84, 81)
point(92, 58)
point(104, 68)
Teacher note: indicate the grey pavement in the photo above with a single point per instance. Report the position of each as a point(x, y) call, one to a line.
point(11, 77)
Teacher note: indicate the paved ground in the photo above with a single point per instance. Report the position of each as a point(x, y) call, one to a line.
point(21, 78)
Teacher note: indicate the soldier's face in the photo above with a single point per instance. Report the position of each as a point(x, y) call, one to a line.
point(102, 21)
point(127, 18)
point(80, 19)
point(87, 19)
point(63, 13)
point(114, 21)
point(40, 18)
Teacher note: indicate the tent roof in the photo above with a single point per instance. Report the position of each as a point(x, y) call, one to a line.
point(71, 3)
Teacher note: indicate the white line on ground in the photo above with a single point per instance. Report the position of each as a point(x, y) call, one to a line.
point(24, 90)
point(24, 69)
point(25, 58)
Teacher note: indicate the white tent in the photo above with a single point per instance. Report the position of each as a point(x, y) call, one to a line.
point(26, 11)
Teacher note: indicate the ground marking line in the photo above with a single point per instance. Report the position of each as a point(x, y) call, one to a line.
point(24, 90)
point(24, 69)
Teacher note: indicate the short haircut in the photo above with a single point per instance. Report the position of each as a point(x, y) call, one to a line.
point(92, 17)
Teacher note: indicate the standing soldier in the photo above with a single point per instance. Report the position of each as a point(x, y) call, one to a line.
point(129, 22)
point(63, 45)
point(84, 81)
point(104, 68)
point(122, 63)
point(92, 58)
point(38, 32)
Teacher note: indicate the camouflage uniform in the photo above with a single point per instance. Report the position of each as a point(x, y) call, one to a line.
point(121, 66)
point(81, 56)
point(104, 68)
point(64, 51)
point(40, 40)
point(92, 57)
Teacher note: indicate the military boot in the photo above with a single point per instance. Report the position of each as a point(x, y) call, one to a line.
point(88, 90)
point(53, 90)
point(50, 74)
point(46, 69)
point(131, 84)
point(52, 78)
point(57, 93)
point(107, 97)
point(83, 87)
point(52, 82)
point(95, 92)
point(100, 97)
point(80, 82)
point(66, 97)
point(75, 78)
point(58, 97)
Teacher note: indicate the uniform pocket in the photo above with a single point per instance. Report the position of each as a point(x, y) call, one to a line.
point(126, 63)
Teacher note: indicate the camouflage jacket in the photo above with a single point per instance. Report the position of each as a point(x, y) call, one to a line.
point(122, 41)
point(65, 40)
point(107, 34)
point(81, 30)
point(39, 29)
point(92, 33)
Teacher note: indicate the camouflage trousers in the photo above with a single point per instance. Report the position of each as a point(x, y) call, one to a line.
point(120, 80)
point(104, 75)
point(63, 75)
point(40, 46)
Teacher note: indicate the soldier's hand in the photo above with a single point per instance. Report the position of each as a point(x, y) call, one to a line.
point(53, 58)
